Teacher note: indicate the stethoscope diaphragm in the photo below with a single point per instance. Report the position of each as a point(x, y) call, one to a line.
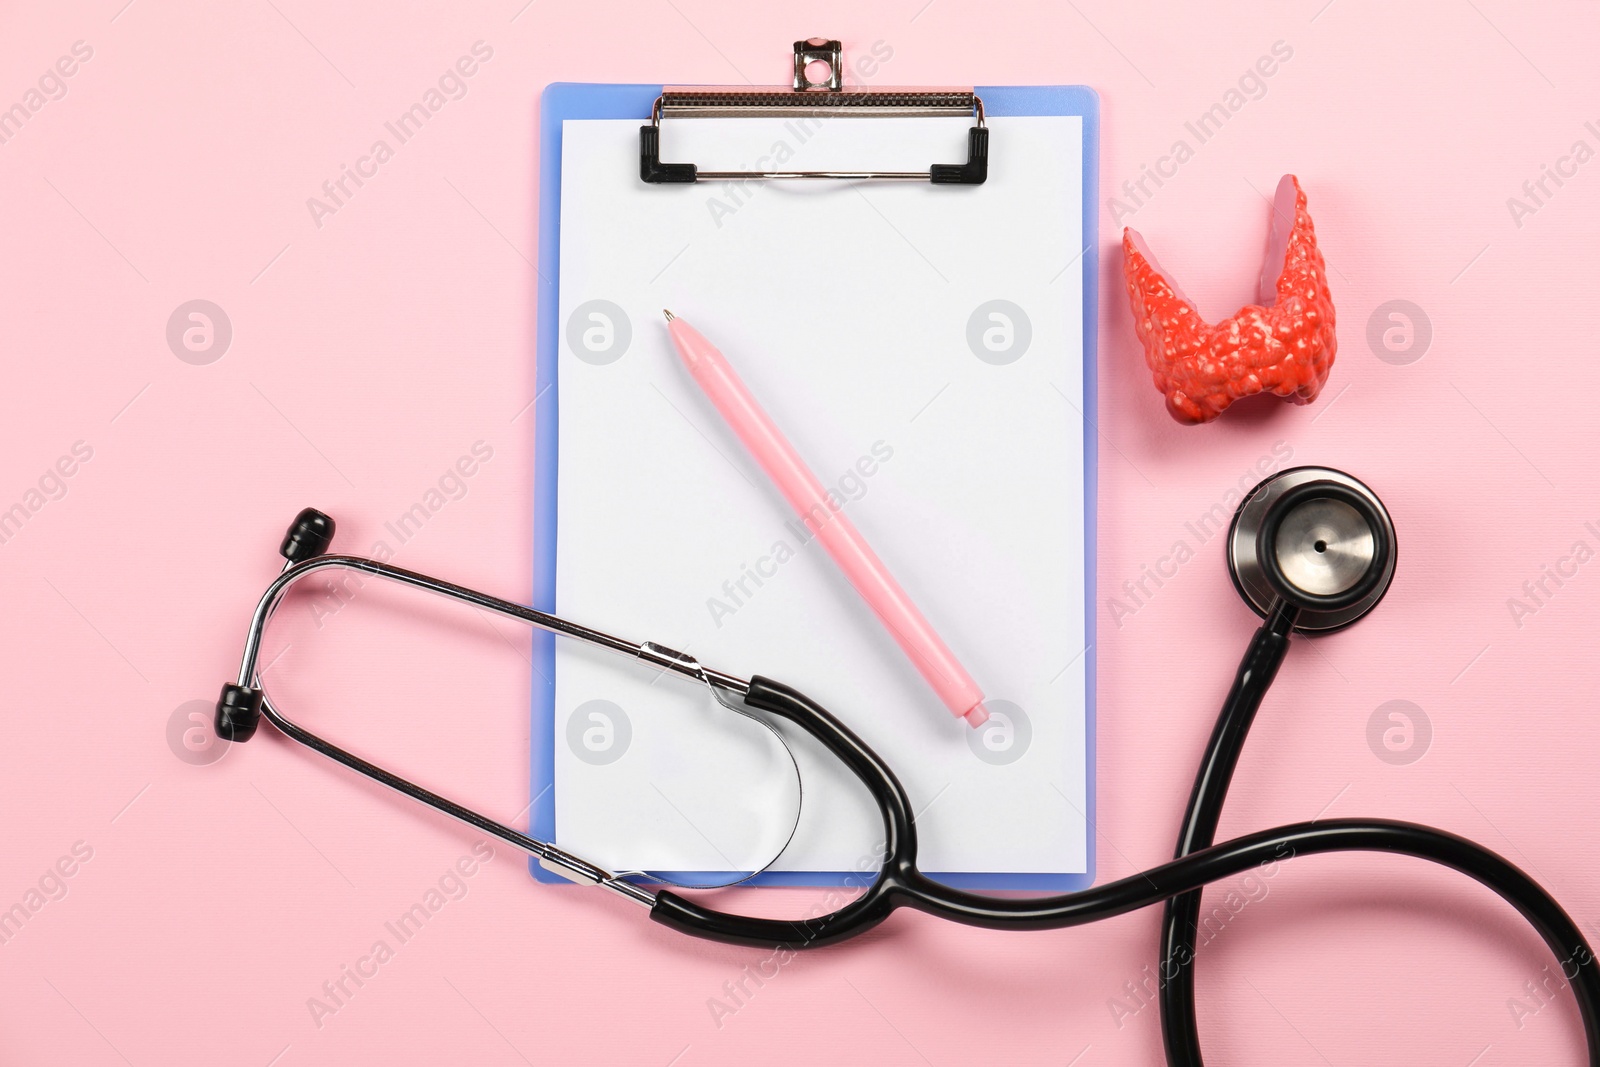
point(1316, 538)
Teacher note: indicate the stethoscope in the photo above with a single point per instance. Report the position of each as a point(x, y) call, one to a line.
point(1311, 550)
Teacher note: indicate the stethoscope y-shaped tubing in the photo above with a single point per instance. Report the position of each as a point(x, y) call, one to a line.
point(899, 883)
point(1180, 1029)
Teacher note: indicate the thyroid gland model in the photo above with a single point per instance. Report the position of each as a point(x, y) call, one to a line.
point(1283, 346)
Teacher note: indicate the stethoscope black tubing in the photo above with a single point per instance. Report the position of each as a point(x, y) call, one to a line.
point(1180, 1031)
point(900, 884)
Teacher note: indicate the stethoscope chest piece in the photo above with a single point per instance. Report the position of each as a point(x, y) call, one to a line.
point(1315, 537)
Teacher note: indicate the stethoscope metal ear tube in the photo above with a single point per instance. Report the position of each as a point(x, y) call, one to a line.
point(242, 704)
point(557, 861)
point(899, 883)
point(659, 655)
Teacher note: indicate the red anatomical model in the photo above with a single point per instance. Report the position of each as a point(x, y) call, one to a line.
point(1283, 346)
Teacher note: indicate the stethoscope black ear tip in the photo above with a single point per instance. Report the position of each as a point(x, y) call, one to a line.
point(239, 706)
point(309, 535)
point(238, 713)
point(1314, 538)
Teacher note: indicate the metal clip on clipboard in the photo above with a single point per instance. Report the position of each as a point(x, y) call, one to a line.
point(814, 99)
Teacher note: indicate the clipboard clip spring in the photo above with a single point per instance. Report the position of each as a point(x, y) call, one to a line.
point(824, 98)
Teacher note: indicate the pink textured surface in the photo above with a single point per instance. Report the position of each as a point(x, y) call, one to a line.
point(371, 353)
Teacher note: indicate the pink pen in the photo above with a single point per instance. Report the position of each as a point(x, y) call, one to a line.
point(838, 535)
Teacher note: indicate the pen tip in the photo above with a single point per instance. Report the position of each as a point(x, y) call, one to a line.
point(670, 316)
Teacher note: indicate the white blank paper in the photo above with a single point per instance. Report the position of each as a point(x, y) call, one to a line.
point(856, 315)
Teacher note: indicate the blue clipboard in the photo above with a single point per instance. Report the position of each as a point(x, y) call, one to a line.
point(573, 100)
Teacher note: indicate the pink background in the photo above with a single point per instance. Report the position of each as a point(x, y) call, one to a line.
point(372, 352)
